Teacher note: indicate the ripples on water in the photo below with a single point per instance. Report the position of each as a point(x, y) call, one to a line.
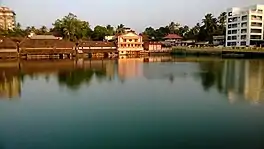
point(160, 102)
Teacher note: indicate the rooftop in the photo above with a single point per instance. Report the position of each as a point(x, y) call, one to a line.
point(17, 39)
point(46, 43)
point(33, 36)
point(7, 10)
point(7, 43)
point(245, 8)
point(172, 36)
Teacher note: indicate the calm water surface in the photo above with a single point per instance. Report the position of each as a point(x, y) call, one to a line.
point(165, 103)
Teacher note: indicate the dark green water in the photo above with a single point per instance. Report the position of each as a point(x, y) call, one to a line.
point(128, 104)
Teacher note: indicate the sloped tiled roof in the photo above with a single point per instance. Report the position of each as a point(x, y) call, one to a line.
point(7, 43)
point(44, 37)
point(173, 36)
point(17, 39)
point(6, 10)
point(46, 43)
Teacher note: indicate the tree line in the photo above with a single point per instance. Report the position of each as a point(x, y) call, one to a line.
point(204, 31)
point(72, 28)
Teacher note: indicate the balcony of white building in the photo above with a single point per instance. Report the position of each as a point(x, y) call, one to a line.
point(255, 18)
point(257, 12)
point(255, 37)
point(256, 31)
point(257, 25)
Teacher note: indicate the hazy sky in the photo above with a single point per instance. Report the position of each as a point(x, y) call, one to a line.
point(136, 14)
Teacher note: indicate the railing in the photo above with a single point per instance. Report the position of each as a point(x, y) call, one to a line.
point(256, 19)
point(163, 50)
point(254, 32)
point(256, 25)
point(132, 42)
point(257, 12)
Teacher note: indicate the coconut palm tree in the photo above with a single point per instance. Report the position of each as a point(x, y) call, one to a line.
point(210, 23)
point(174, 27)
point(120, 28)
point(43, 30)
point(110, 30)
point(222, 23)
point(18, 25)
point(222, 18)
point(209, 27)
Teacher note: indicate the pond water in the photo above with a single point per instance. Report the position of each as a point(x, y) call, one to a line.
point(154, 103)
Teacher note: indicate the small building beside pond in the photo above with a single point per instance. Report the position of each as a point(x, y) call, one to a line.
point(173, 39)
point(110, 38)
point(219, 40)
point(46, 48)
point(97, 48)
point(152, 46)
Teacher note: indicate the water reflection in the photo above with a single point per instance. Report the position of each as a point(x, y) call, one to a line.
point(239, 80)
point(130, 68)
point(85, 70)
point(168, 68)
point(251, 82)
point(10, 81)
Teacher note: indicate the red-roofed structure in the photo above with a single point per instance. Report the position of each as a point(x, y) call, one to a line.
point(173, 39)
point(172, 36)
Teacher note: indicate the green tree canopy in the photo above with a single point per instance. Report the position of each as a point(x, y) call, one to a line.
point(75, 78)
point(110, 30)
point(174, 27)
point(99, 33)
point(205, 31)
point(72, 28)
point(120, 28)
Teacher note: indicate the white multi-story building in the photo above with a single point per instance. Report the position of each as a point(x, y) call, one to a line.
point(7, 18)
point(245, 26)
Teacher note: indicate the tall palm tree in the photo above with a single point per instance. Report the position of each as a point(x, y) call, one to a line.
point(18, 25)
point(183, 30)
point(43, 30)
point(210, 22)
point(209, 27)
point(222, 18)
point(32, 29)
point(120, 28)
point(110, 30)
point(173, 27)
point(109, 27)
